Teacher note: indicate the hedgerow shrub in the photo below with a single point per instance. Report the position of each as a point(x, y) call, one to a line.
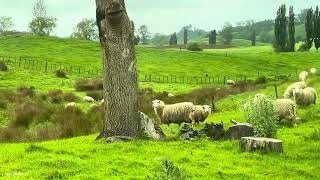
point(89, 85)
point(194, 47)
point(260, 112)
point(61, 74)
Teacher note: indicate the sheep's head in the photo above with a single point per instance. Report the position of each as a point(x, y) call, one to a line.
point(297, 91)
point(207, 109)
point(156, 104)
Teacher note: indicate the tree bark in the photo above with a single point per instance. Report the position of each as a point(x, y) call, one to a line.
point(120, 65)
point(260, 144)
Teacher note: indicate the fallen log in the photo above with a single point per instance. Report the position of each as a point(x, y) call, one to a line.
point(251, 144)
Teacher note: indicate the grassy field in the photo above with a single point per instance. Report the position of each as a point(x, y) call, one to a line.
point(84, 158)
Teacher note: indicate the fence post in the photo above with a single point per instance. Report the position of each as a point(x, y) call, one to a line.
point(46, 67)
point(224, 80)
point(79, 71)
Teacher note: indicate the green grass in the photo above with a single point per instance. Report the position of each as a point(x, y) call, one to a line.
point(84, 158)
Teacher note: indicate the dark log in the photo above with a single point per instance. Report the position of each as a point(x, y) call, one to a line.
point(239, 130)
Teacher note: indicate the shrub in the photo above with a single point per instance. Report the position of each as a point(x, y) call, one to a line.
point(3, 66)
point(24, 115)
point(260, 112)
point(3, 102)
point(97, 95)
point(61, 74)
point(11, 134)
point(169, 171)
point(261, 80)
point(96, 116)
point(26, 91)
point(303, 48)
point(56, 96)
point(70, 97)
point(194, 47)
point(89, 85)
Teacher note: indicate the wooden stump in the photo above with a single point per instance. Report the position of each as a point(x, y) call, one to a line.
point(239, 130)
point(261, 144)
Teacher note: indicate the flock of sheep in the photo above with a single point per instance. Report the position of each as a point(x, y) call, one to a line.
point(285, 108)
point(87, 99)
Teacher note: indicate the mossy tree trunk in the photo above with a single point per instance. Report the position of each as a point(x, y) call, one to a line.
point(120, 65)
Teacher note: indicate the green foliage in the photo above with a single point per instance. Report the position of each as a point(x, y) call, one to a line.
point(61, 73)
point(194, 47)
point(291, 31)
point(169, 171)
point(304, 47)
point(185, 36)
point(144, 34)
point(281, 32)
point(3, 66)
point(86, 29)
point(42, 24)
point(160, 40)
point(226, 34)
point(213, 37)
point(315, 135)
point(253, 38)
point(317, 28)
point(173, 39)
point(6, 24)
point(260, 112)
point(309, 28)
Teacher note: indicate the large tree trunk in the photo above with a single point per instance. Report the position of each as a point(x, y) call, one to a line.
point(120, 79)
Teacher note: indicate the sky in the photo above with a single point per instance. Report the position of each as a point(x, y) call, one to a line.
point(161, 16)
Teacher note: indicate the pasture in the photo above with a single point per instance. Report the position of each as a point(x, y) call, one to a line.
point(84, 158)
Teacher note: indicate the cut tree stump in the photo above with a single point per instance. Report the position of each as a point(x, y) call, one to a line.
point(251, 144)
point(239, 130)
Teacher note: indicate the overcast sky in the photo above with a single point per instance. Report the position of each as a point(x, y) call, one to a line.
point(162, 16)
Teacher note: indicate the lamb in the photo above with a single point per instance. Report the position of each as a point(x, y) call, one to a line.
point(305, 97)
point(286, 109)
point(88, 99)
point(303, 76)
point(230, 82)
point(173, 113)
point(200, 113)
point(313, 70)
point(72, 104)
point(289, 92)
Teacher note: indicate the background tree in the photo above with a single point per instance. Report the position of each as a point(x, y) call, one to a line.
point(144, 34)
point(185, 36)
point(6, 24)
point(309, 28)
point(291, 31)
point(173, 39)
point(86, 29)
point(302, 16)
point(42, 24)
point(120, 64)
point(317, 28)
point(160, 39)
point(281, 35)
point(226, 34)
point(136, 39)
point(213, 37)
point(253, 38)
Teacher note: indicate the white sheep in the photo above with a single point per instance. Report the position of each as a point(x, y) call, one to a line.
point(303, 76)
point(200, 113)
point(230, 82)
point(88, 99)
point(313, 70)
point(286, 109)
point(173, 113)
point(289, 91)
point(305, 97)
point(72, 104)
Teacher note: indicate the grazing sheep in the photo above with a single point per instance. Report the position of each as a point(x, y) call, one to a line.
point(72, 104)
point(303, 76)
point(230, 82)
point(313, 70)
point(170, 95)
point(173, 113)
point(88, 99)
point(200, 113)
point(286, 109)
point(305, 97)
point(289, 92)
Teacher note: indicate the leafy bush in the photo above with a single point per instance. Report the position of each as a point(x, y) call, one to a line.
point(97, 95)
point(169, 171)
point(70, 97)
point(89, 85)
point(303, 48)
point(260, 112)
point(56, 96)
point(26, 91)
point(61, 74)
point(24, 115)
point(194, 47)
point(261, 80)
point(3, 66)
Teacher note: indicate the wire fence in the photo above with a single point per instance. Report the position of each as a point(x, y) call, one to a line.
point(35, 64)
